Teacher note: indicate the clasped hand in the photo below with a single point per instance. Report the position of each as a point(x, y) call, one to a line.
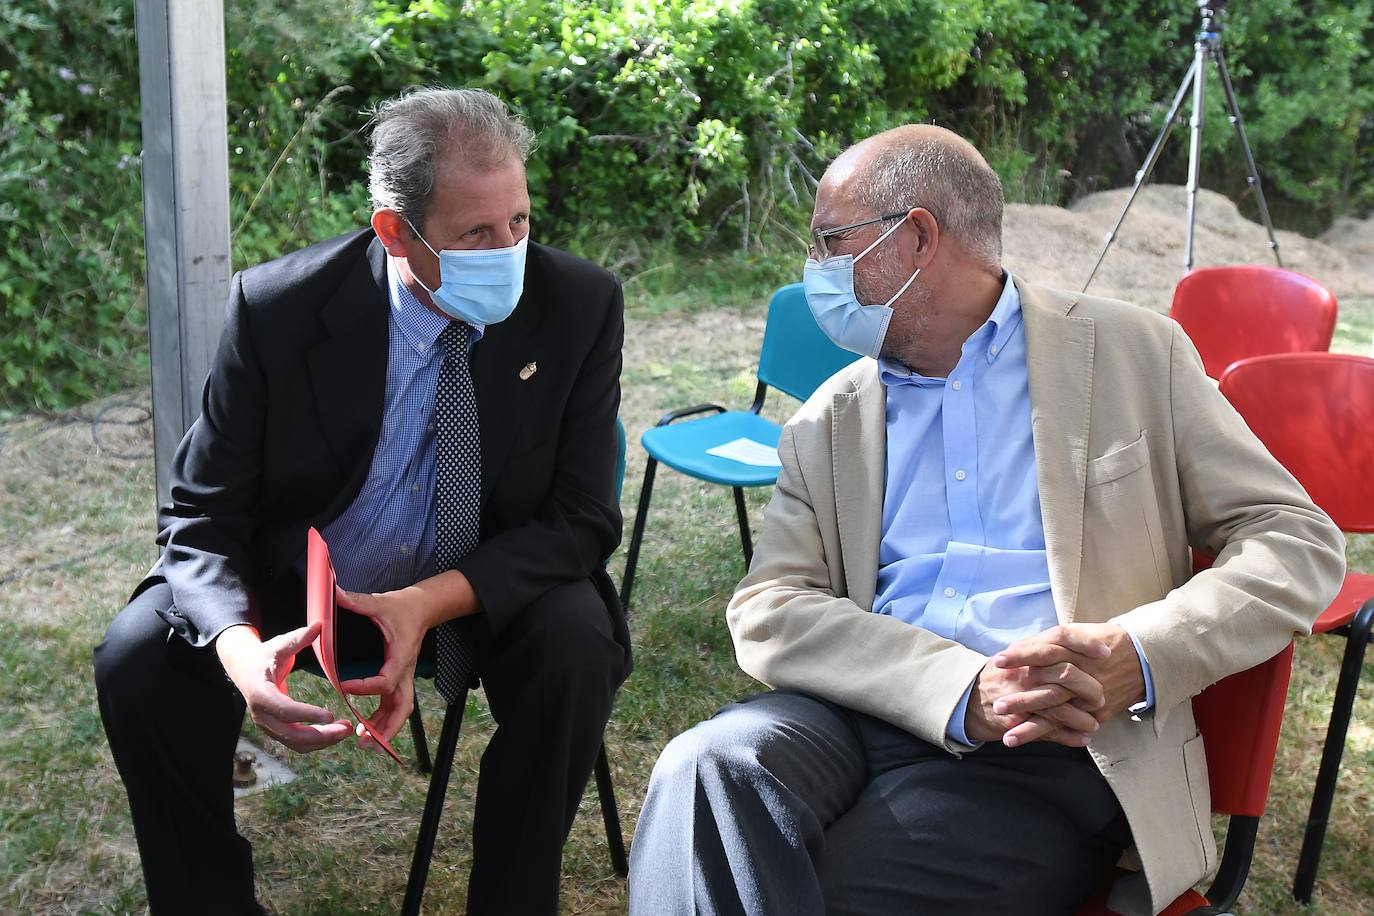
point(1059, 685)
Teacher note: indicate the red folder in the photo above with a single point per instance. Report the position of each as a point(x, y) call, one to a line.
point(319, 606)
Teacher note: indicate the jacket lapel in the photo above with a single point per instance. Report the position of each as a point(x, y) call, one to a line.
point(859, 469)
point(497, 360)
point(347, 370)
point(1059, 362)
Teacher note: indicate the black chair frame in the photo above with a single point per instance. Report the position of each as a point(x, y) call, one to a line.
point(647, 489)
point(1357, 637)
point(1239, 851)
point(440, 768)
point(438, 787)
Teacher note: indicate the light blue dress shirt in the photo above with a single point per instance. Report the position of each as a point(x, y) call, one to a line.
point(384, 540)
point(963, 546)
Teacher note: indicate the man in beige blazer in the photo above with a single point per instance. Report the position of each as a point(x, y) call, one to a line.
point(905, 766)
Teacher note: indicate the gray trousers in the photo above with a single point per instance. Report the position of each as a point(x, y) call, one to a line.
point(786, 804)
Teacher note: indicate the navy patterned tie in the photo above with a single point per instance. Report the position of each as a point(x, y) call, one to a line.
point(457, 501)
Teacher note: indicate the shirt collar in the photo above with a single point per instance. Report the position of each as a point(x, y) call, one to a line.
point(893, 373)
point(1005, 317)
point(419, 325)
point(1003, 321)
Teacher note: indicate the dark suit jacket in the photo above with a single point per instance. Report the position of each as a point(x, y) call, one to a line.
point(292, 412)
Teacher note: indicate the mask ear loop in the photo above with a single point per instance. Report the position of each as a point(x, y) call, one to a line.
point(431, 251)
point(898, 294)
point(880, 239)
point(421, 238)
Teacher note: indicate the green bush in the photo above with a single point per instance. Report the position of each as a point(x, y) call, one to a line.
point(1306, 74)
point(71, 318)
point(288, 66)
point(695, 126)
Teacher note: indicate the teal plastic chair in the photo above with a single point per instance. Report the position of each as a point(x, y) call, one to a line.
point(442, 765)
point(796, 358)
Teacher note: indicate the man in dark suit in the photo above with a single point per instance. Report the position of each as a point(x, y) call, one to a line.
point(457, 451)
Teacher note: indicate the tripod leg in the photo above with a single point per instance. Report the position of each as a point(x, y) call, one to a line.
point(1254, 178)
point(1201, 50)
point(1146, 168)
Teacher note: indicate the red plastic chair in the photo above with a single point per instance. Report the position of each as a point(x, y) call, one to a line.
point(1235, 312)
point(1239, 718)
point(1315, 413)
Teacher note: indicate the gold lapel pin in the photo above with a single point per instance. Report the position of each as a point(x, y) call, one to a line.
point(529, 370)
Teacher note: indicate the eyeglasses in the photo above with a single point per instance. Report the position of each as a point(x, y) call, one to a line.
point(818, 235)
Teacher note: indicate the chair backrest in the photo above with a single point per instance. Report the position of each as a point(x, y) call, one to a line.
point(1249, 310)
point(1315, 414)
point(1239, 717)
point(796, 355)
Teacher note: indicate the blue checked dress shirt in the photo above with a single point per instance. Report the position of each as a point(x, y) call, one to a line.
point(384, 540)
point(963, 546)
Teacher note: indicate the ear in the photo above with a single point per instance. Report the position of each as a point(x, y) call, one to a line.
point(393, 231)
point(924, 237)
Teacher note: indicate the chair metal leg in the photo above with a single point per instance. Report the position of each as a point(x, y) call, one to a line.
point(1236, 857)
point(610, 813)
point(744, 538)
point(637, 538)
point(434, 806)
point(1356, 639)
point(417, 735)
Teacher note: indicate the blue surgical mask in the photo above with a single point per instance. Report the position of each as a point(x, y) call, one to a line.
point(480, 286)
point(829, 286)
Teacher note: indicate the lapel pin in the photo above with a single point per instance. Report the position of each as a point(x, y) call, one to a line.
point(529, 370)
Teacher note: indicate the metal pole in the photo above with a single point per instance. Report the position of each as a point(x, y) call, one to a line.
point(1208, 43)
point(1146, 169)
point(185, 206)
point(1254, 179)
point(1200, 50)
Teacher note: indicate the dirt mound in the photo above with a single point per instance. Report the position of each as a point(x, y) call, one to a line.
point(1354, 237)
point(1057, 247)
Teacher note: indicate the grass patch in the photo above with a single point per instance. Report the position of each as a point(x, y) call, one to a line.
point(672, 283)
point(76, 534)
point(1354, 328)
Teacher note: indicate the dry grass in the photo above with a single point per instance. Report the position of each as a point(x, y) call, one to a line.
point(76, 534)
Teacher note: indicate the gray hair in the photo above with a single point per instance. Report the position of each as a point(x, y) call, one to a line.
point(420, 130)
point(957, 186)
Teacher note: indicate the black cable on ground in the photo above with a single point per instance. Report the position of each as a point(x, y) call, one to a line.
point(58, 420)
point(100, 418)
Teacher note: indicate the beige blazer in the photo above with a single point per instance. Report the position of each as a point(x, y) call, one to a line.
point(1138, 457)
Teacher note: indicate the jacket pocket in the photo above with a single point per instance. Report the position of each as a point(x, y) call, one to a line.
point(1200, 791)
point(1123, 534)
point(1117, 464)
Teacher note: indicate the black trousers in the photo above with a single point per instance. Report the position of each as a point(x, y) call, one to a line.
point(173, 720)
point(785, 803)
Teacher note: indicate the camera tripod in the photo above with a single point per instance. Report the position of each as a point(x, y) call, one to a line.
point(1207, 46)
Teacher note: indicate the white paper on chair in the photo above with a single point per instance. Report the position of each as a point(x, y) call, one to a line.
point(747, 451)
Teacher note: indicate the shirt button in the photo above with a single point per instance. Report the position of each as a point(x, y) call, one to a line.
point(958, 385)
point(959, 475)
point(405, 548)
point(992, 350)
point(950, 593)
point(415, 488)
point(430, 428)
